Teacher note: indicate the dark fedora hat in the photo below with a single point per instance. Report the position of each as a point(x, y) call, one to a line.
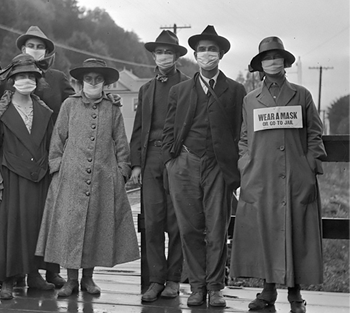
point(35, 31)
point(209, 33)
point(110, 74)
point(166, 38)
point(268, 44)
point(22, 63)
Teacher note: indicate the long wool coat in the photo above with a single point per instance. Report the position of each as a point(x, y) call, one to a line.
point(87, 220)
point(277, 233)
point(25, 171)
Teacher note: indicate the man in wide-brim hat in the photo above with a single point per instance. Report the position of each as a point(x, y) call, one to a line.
point(147, 168)
point(200, 152)
point(277, 234)
point(58, 88)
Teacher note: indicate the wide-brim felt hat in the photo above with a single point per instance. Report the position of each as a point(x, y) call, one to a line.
point(209, 33)
point(268, 44)
point(35, 31)
point(99, 66)
point(166, 38)
point(22, 63)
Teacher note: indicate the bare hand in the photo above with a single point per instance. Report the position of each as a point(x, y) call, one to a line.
point(136, 176)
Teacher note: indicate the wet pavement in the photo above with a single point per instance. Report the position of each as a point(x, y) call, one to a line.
point(121, 292)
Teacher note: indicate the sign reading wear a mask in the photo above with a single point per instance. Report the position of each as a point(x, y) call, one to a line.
point(278, 117)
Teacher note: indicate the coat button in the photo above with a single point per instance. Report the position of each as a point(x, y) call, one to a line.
point(88, 182)
point(89, 159)
point(94, 107)
point(88, 170)
point(282, 148)
point(92, 138)
point(34, 175)
point(94, 115)
point(93, 126)
point(32, 159)
point(87, 193)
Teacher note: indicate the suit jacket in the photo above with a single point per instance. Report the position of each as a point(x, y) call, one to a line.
point(143, 121)
point(225, 120)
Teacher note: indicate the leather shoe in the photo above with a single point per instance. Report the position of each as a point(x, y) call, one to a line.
point(70, 287)
point(6, 289)
point(171, 290)
point(36, 281)
point(56, 279)
point(87, 284)
point(216, 298)
point(298, 306)
point(153, 292)
point(196, 298)
point(261, 301)
point(20, 281)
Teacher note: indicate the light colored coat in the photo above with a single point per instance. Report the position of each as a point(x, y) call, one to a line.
point(87, 220)
point(277, 234)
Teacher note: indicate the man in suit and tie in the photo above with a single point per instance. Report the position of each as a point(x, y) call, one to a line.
point(148, 169)
point(200, 152)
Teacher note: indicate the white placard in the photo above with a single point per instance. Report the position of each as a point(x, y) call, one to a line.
point(278, 117)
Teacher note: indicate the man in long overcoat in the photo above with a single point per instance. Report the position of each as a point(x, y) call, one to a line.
point(200, 150)
point(147, 163)
point(277, 234)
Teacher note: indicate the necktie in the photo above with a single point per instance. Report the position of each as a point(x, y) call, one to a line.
point(211, 84)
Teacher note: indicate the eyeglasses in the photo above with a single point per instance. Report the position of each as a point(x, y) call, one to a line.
point(93, 80)
point(164, 51)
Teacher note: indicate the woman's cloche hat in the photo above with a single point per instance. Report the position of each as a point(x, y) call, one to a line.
point(268, 44)
point(110, 74)
point(166, 38)
point(22, 63)
point(35, 31)
point(209, 33)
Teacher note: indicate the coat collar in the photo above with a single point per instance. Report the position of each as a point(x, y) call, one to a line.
point(11, 118)
point(286, 94)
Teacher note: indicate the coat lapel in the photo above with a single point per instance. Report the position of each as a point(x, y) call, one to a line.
point(286, 94)
point(264, 97)
point(41, 119)
point(150, 96)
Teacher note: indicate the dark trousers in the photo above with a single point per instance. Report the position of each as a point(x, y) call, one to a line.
point(160, 219)
point(202, 203)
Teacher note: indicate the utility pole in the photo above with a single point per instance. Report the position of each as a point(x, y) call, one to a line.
point(320, 83)
point(174, 27)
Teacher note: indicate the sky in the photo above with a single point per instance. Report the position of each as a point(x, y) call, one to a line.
point(316, 31)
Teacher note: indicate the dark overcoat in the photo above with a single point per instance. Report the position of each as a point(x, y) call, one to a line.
point(87, 220)
point(225, 120)
point(143, 120)
point(277, 233)
point(24, 168)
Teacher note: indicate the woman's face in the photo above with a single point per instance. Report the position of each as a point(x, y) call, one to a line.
point(93, 78)
point(30, 76)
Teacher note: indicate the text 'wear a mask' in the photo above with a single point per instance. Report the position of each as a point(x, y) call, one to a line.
point(208, 60)
point(274, 66)
point(25, 86)
point(164, 61)
point(37, 54)
point(92, 91)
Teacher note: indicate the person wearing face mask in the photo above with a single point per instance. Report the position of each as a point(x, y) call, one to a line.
point(277, 235)
point(148, 169)
point(87, 220)
point(200, 151)
point(25, 130)
point(57, 88)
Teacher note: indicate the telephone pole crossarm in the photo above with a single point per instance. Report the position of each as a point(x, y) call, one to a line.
point(174, 27)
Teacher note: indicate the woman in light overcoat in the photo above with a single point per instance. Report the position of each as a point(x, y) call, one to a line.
point(278, 235)
point(87, 220)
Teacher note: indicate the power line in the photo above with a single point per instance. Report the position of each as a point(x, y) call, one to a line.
point(174, 27)
point(60, 45)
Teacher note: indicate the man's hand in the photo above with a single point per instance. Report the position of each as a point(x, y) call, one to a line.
point(136, 175)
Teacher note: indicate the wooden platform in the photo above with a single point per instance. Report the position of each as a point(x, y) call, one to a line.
point(121, 292)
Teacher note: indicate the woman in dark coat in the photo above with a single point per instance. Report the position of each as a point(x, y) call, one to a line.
point(25, 130)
